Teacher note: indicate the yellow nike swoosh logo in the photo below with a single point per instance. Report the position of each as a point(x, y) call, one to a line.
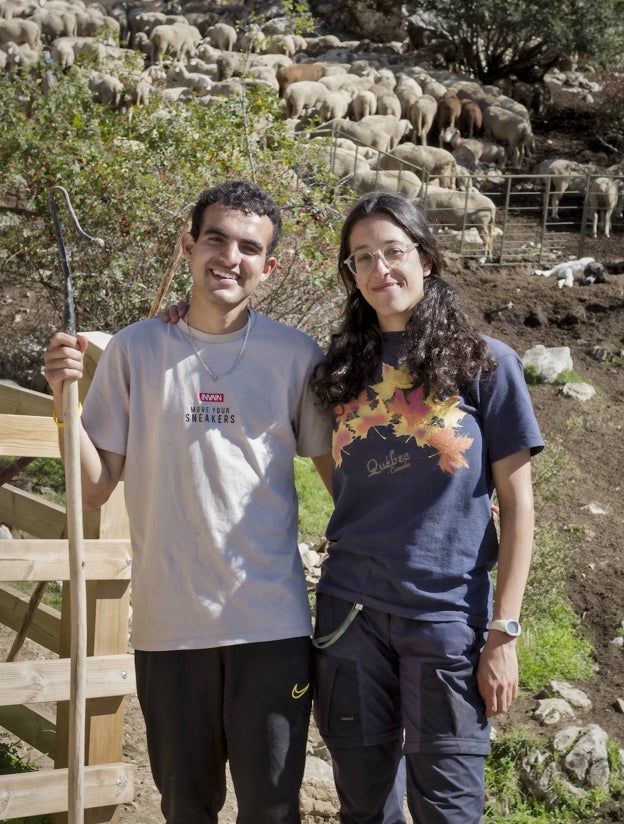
point(299, 693)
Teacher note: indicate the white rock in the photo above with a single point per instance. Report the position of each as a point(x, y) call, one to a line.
point(553, 710)
point(580, 391)
point(594, 509)
point(550, 361)
point(573, 695)
point(588, 761)
point(564, 739)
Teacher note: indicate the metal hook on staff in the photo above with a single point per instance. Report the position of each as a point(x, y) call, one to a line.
point(69, 321)
point(77, 576)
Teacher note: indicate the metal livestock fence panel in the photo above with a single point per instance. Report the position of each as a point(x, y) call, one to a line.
point(534, 221)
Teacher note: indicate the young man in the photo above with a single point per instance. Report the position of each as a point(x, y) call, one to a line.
point(204, 419)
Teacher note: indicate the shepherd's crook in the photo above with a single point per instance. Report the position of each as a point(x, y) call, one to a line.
point(71, 435)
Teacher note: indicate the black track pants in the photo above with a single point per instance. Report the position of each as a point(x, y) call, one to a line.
point(249, 703)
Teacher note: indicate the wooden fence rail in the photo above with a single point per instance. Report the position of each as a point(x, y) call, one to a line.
point(27, 431)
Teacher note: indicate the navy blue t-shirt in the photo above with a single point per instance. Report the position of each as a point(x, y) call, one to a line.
point(412, 531)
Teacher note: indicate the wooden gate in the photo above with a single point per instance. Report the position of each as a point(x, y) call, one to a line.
point(28, 431)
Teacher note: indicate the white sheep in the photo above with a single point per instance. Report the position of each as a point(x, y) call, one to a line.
point(461, 211)
point(20, 32)
point(559, 175)
point(62, 52)
point(426, 161)
point(284, 44)
point(196, 64)
point(364, 103)
point(13, 8)
point(90, 47)
point(343, 161)
point(106, 89)
point(55, 24)
point(355, 83)
point(142, 90)
point(511, 130)
point(474, 152)
point(181, 39)
point(386, 77)
point(389, 104)
point(93, 21)
point(334, 82)
point(179, 75)
point(421, 115)
point(606, 196)
point(252, 39)
point(331, 68)
point(361, 134)
point(402, 181)
point(222, 36)
point(395, 128)
point(144, 22)
point(407, 90)
point(335, 104)
point(515, 106)
point(434, 88)
point(302, 95)
point(21, 55)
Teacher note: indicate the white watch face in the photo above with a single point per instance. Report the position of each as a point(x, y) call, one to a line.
point(509, 626)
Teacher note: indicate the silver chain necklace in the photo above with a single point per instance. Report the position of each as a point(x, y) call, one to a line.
point(212, 374)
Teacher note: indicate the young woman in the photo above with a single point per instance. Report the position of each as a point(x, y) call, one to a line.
point(430, 419)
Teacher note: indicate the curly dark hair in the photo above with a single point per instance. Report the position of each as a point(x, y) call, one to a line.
point(443, 351)
point(242, 196)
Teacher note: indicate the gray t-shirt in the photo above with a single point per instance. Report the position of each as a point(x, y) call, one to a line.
point(412, 531)
point(209, 477)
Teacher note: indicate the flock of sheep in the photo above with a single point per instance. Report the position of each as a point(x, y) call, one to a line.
point(392, 123)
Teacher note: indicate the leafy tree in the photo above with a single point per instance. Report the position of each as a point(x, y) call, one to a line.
point(523, 38)
point(132, 178)
point(610, 110)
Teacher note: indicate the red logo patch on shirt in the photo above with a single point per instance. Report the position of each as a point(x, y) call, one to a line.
point(211, 397)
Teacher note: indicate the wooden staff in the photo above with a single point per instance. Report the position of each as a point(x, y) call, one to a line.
point(78, 601)
point(169, 272)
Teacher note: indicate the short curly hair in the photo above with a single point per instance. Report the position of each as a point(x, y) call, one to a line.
point(242, 196)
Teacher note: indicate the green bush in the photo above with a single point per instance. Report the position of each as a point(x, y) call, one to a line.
point(569, 376)
point(44, 476)
point(532, 374)
point(132, 181)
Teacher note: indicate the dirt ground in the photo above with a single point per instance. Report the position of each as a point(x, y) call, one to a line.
point(513, 304)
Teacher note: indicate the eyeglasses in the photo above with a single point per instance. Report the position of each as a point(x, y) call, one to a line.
point(363, 263)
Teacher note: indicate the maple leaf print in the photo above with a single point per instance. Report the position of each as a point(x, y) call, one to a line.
point(391, 380)
point(344, 411)
point(412, 408)
point(341, 439)
point(447, 411)
point(419, 433)
point(450, 448)
point(368, 419)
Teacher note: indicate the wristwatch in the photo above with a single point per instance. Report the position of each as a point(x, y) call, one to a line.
point(506, 625)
